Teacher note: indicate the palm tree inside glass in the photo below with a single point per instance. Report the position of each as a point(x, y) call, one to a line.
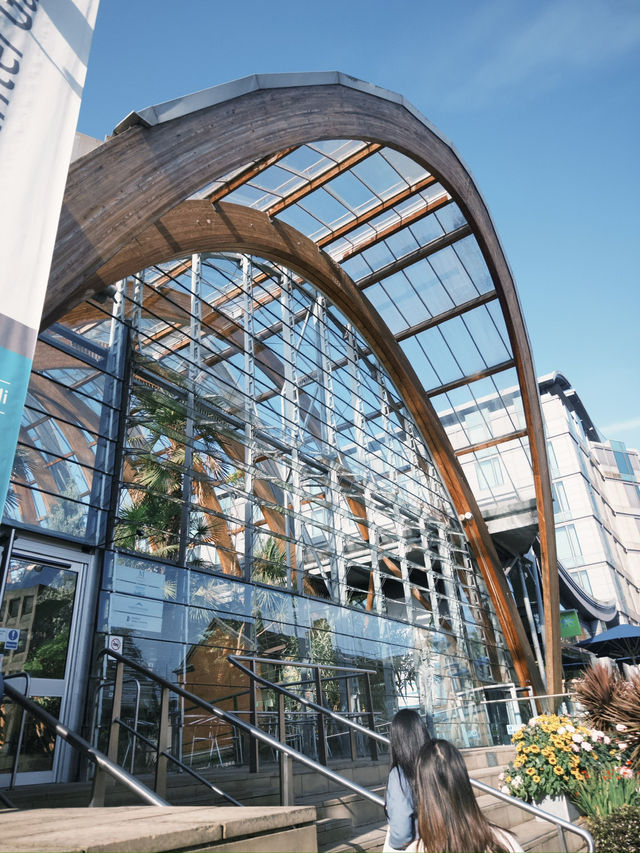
point(174, 459)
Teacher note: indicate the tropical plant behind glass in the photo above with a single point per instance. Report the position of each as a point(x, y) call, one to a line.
point(154, 467)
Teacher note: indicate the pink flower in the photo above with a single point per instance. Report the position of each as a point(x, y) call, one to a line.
point(607, 740)
point(586, 745)
point(575, 747)
point(625, 772)
point(620, 727)
point(577, 738)
point(622, 746)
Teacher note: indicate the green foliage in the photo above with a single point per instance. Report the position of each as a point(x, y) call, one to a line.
point(155, 462)
point(603, 793)
point(618, 832)
point(50, 657)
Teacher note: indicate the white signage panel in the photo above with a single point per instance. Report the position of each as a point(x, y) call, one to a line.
point(137, 614)
point(44, 50)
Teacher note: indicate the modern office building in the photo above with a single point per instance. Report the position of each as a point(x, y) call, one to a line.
point(266, 301)
point(596, 506)
point(596, 493)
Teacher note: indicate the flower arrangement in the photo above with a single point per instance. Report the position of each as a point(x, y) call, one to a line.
point(604, 793)
point(554, 755)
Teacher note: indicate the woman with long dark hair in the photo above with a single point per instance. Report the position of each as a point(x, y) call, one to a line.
point(408, 734)
point(449, 819)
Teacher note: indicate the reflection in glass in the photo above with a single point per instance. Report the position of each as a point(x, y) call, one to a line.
point(38, 601)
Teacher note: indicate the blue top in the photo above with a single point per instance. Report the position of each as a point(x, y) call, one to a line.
point(399, 809)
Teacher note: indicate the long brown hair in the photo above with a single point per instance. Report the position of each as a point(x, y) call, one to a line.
point(407, 735)
point(449, 820)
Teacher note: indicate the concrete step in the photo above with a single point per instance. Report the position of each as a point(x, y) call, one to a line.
point(538, 837)
point(147, 828)
point(367, 838)
point(332, 830)
point(533, 837)
point(489, 756)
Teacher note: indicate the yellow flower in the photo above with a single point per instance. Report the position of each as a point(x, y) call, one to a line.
point(534, 748)
point(507, 779)
point(558, 771)
point(536, 779)
point(520, 760)
point(530, 771)
point(552, 759)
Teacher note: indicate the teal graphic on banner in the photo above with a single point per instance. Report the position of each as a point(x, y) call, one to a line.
point(15, 370)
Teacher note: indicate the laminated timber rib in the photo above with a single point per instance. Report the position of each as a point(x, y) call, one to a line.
point(193, 227)
point(126, 186)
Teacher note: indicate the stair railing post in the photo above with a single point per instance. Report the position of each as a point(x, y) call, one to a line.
point(322, 732)
point(254, 758)
point(373, 745)
point(352, 734)
point(164, 744)
point(286, 765)
point(100, 778)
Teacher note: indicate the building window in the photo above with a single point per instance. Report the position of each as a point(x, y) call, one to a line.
point(568, 545)
point(551, 454)
point(583, 579)
point(490, 475)
point(560, 502)
point(633, 494)
point(622, 460)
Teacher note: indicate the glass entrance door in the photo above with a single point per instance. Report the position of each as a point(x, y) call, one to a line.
point(38, 636)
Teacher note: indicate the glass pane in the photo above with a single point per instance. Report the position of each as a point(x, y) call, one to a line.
point(38, 743)
point(38, 602)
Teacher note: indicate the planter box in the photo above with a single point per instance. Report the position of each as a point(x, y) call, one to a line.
point(560, 806)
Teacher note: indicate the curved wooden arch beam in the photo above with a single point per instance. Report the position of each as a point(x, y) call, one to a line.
point(129, 182)
point(194, 226)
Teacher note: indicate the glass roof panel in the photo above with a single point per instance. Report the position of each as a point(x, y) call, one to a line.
point(251, 196)
point(303, 221)
point(337, 149)
point(471, 258)
point(326, 207)
point(277, 180)
point(389, 312)
point(453, 275)
point(488, 408)
point(429, 286)
point(378, 255)
point(380, 176)
point(408, 168)
point(356, 195)
point(415, 352)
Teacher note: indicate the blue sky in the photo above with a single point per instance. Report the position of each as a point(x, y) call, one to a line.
point(540, 97)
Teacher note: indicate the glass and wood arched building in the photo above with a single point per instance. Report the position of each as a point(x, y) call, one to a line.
point(264, 298)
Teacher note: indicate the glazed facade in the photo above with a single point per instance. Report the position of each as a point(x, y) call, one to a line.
point(233, 455)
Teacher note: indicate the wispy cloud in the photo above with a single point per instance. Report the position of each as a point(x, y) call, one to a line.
point(620, 426)
point(552, 40)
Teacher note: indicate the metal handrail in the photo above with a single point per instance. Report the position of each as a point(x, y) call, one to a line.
point(27, 691)
point(181, 764)
point(476, 783)
point(79, 743)
point(235, 660)
point(283, 748)
point(96, 725)
point(253, 731)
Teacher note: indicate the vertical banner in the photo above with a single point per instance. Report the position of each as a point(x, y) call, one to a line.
point(44, 49)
